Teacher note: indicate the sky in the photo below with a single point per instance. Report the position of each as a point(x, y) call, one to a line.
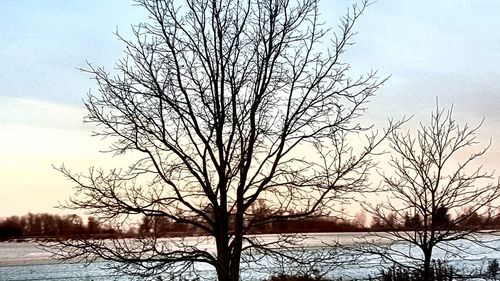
point(447, 50)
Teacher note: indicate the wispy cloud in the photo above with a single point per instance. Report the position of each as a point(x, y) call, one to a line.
point(33, 113)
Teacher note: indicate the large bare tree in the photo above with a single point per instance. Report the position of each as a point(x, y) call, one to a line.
point(436, 194)
point(226, 102)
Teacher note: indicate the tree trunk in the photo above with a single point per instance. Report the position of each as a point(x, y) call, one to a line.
point(228, 262)
point(223, 257)
point(228, 256)
point(426, 274)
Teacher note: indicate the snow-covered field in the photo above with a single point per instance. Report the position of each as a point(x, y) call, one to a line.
point(26, 262)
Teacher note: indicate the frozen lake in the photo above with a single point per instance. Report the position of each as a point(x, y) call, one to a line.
point(26, 262)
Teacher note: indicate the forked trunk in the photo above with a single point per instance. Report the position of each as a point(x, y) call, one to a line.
point(229, 252)
point(228, 265)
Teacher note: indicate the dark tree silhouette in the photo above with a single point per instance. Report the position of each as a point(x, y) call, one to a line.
point(433, 180)
point(412, 222)
point(10, 228)
point(41, 226)
point(225, 102)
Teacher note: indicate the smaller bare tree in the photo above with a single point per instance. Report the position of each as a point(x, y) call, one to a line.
point(433, 181)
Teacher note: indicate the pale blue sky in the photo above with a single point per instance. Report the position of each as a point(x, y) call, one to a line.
point(448, 49)
point(43, 42)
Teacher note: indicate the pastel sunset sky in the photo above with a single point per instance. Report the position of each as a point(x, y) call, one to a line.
point(444, 49)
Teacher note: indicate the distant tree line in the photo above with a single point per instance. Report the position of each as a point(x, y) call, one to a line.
point(67, 226)
point(442, 220)
point(51, 225)
point(162, 227)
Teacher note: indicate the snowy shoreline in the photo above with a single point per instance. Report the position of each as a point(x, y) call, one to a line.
point(27, 261)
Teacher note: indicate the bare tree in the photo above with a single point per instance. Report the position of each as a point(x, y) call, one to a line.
point(226, 102)
point(434, 180)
